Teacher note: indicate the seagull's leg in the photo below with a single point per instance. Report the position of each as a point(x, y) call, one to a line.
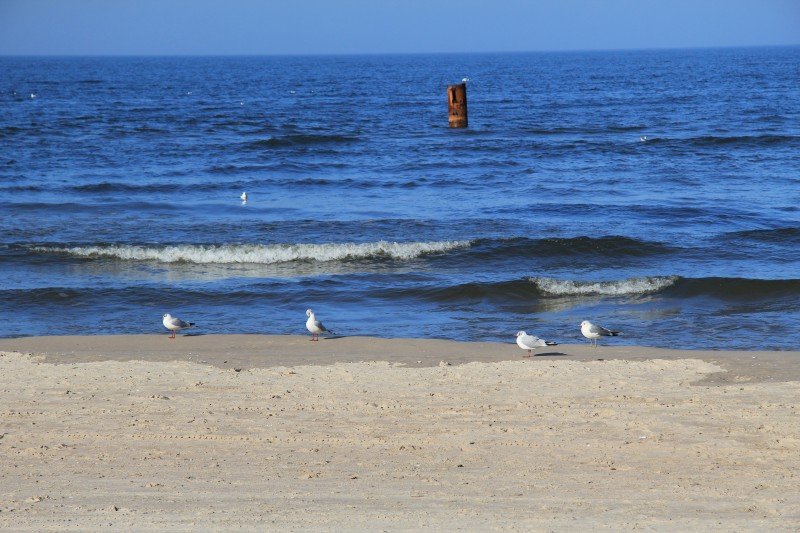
point(529, 354)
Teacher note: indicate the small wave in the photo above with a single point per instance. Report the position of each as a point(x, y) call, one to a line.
point(300, 140)
point(786, 235)
point(536, 289)
point(148, 129)
point(76, 207)
point(532, 289)
point(37, 296)
point(234, 169)
point(8, 131)
point(745, 140)
point(505, 291)
point(22, 188)
point(608, 246)
point(736, 289)
point(106, 186)
point(259, 254)
point(625, 287)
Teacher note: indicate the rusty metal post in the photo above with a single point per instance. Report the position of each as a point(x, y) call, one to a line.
point(457, 105)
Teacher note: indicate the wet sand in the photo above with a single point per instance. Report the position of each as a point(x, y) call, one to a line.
point(267, 432)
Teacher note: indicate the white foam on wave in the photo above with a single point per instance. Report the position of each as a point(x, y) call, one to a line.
point(260, 254)
point(630, 286)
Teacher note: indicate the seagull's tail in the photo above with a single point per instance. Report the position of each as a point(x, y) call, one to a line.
point(551, 343)
point(191, 324)
point(614, 333)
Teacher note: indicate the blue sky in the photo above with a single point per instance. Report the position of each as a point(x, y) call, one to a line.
point(176, 27)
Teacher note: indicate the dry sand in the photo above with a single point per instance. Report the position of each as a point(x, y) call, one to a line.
point(275, 432)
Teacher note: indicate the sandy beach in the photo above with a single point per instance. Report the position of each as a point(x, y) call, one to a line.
point(276, 432)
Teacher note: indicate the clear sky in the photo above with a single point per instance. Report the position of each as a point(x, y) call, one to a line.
point(206, 27)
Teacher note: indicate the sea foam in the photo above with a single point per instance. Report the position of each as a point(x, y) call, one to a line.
point(625, 287)
point(258, 253)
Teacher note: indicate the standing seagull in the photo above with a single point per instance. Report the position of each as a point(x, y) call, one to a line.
point(531, 342)
point(175, 324)
point(593, 332)
point(315, 326)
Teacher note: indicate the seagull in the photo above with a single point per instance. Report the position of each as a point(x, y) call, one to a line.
point(593, 332)
point(464, 80)
point(315, 326)
point(175, 324)
point(244, 197)
point(643, 138)
point(531, 342)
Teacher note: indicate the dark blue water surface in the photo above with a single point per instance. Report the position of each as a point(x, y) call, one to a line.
point(120, 181)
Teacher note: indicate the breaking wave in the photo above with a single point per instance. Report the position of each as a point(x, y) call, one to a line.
point(259, 254)
point(624, 287)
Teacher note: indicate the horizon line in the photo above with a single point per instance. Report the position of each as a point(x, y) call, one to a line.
point(356, 54)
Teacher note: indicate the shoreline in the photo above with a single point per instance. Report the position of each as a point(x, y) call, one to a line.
point(248, 351)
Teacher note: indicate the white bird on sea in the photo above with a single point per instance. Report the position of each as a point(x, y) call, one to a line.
point(531, 342)
point(175, 324)
point(594, 332)
point(244, 197)
point(315, 326)
point(643, 138)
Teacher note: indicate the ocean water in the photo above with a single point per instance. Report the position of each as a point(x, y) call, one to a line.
point(120, 181)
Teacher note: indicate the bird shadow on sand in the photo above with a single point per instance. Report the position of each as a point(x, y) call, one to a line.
point(550, 354)
point(193, 334)
point(334, 337)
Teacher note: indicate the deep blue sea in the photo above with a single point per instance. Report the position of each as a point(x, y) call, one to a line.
point(120, 181)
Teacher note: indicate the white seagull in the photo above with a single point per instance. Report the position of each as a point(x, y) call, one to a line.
point(175, 324)
point(531, 342)
point(244, 197)
point(593, 332)
point(315, 326)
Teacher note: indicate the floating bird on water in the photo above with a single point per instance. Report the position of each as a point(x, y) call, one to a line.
point(175, 324)
point(244, 197)
point(594, 332)
point(643, 138)
point(315, 326)
point(531, 342)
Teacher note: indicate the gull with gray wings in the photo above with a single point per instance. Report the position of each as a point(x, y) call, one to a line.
point(594, 332)
point(175, 324)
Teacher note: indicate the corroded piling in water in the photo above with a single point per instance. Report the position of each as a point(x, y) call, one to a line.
point(457, 105)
